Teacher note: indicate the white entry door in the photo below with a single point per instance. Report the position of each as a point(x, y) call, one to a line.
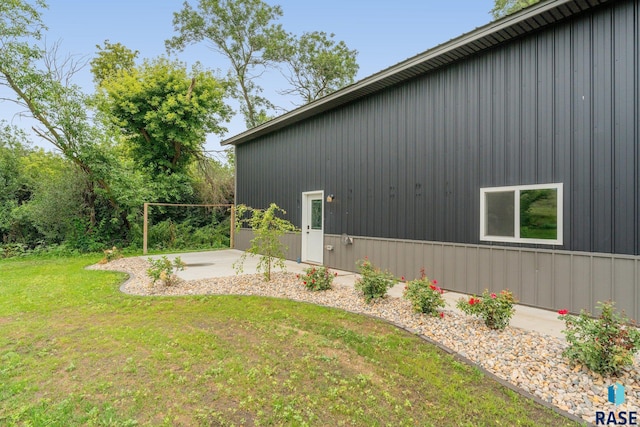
point(312, 226)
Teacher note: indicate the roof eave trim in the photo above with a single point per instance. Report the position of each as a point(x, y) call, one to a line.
point(328, 101)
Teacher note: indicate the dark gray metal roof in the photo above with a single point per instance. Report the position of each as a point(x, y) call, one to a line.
point(528, 20)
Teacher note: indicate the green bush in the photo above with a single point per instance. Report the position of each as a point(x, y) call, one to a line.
point(605, 345)
point(374, 282)
point(495, 309)
point(425, 296)
point(317, 278)
point(162, 269)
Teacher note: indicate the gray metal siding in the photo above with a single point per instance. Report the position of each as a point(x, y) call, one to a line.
point(544, 278)
point(561, 105)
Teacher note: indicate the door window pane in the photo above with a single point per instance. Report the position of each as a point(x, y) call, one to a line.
point(316, 214)
point(500, 213)
point(539, 214)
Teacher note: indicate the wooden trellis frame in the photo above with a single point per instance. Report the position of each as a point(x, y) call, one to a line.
point(145, 228)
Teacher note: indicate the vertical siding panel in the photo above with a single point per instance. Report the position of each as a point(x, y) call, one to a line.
point(472, 285)
point(562, 129)
point(544, 280)
point(407, 183)
point(544, 125)
point(602, 278)
point(421, 160)
point(415, 260)
point(513, 281)
point(452, 111)
point(382, 182)
point(581, 231)
point(562, 281)
point(401, 215)
point(388, 256)
point(528, 267)
point(385, 196)
point(437, 193)
point(405, 259)
point(518, 148)
point(602, 134)
point(349, 169)
point(335, 179)
point(581, 282)
point(498, 270)
point(626, 92)
point(485, 134)
point(513, 120)
point(485, 269)
point(438, 260)
point(428, 260)
point(471, 161)
point(527, 110)
point(624, 293)
point(449, 264)
point(460, 268)
point(636, 137)
point(497, 144)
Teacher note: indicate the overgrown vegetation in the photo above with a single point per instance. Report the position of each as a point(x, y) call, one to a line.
point(140, 136)
point(606, 344)
point(76, 351)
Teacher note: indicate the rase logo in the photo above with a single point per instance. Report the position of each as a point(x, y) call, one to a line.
point(612, 418)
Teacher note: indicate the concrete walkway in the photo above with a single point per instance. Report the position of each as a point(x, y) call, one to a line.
point(204, 265)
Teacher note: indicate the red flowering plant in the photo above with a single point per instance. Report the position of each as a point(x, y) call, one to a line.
point(425, 295)
point(606, 344)
point(495, 309)
point(318, 278)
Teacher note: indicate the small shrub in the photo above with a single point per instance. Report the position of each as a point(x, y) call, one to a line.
point(162, 269)
point(495, 309)
point(110, 255)
point(317, 278)
point(374, 283)
point(267, 229)
point(425, 295)
point(605, 345)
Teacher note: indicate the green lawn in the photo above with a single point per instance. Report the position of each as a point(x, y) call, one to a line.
point(75, 351)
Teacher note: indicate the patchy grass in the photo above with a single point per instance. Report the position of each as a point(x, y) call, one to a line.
point(75, 351)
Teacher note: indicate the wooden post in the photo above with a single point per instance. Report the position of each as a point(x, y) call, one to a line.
point(145, 229)
point(232, 232)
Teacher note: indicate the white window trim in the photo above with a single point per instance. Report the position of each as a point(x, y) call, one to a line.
point(516, 191)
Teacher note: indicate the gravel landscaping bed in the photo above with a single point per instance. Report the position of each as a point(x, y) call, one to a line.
point(529, 360)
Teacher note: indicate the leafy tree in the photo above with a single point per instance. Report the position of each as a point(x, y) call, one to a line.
point(111, 59)
point(14, 188)
point(240, 30)
point(48, 95)
point(503, 8)
point(315, 64)
point(213, 181)
point(267, 229)
point(43, 193)
point(164, 114)
point(61, 205)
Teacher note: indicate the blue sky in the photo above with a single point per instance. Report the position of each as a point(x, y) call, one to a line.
point(383, 32)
